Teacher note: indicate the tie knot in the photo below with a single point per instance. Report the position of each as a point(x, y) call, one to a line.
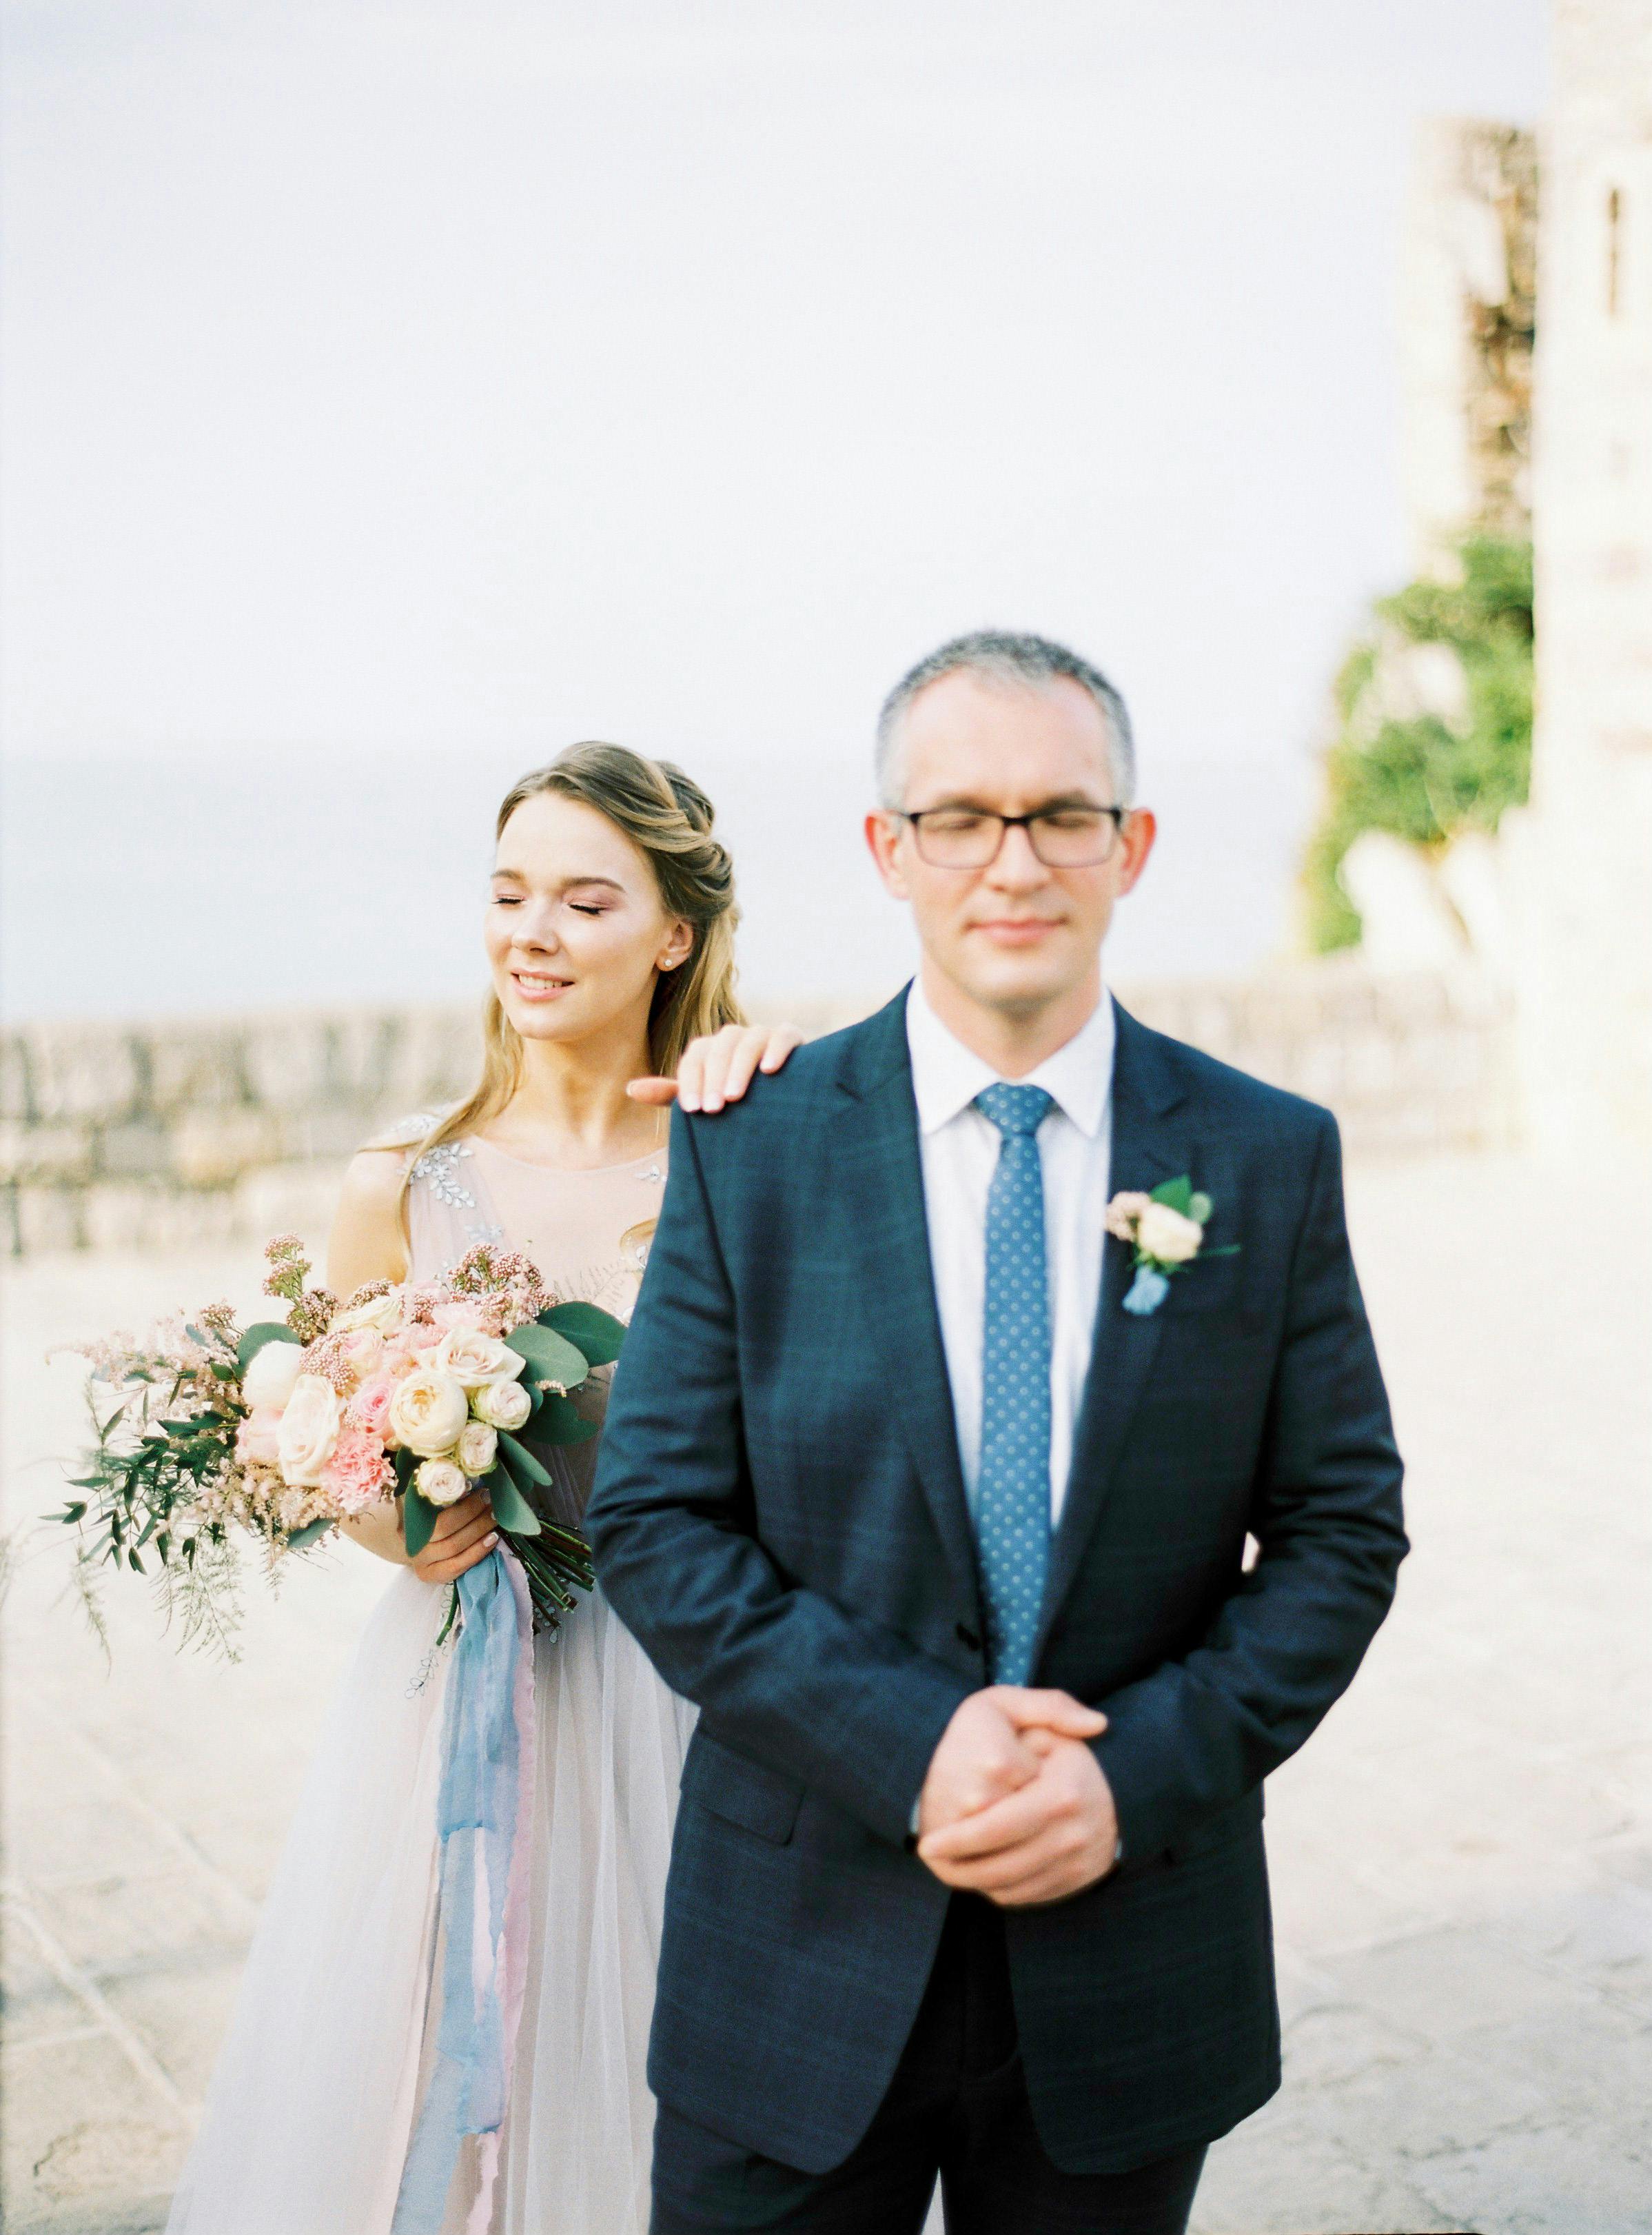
point(1014, 1109)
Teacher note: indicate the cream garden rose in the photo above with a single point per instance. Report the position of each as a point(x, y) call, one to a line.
point(1164, 1234)
point(476, 1360)
point(441, 1482)
point(270, 1377)
point(477, 1448)
point(380, 1314)
point(308, 1430)
point(503, 1404)
point(428, 1410)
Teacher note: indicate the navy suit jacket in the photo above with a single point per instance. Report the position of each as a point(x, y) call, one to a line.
point(779, 1517)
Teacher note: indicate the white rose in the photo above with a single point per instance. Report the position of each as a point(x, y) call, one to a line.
point(440, 1481)
point(477, 1360)
point(308, 1430)
point(1164, 1234)
point(477, 1448)
point(427, 1411)
point(502, 1405)
point(269, 1379)
point(380, 1314)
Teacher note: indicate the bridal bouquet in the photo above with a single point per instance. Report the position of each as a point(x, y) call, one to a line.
point(280, 1430)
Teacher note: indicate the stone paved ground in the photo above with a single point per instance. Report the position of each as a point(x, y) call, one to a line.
point(1462, 1858)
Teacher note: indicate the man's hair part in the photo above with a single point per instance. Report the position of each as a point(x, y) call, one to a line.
point(1008, 657)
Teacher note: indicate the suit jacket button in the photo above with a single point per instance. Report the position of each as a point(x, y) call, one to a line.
point(967, 1636)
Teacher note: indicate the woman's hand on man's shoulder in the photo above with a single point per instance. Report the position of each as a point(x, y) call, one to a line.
point(717, 1068)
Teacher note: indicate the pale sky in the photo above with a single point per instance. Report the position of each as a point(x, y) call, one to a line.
point(454, 381)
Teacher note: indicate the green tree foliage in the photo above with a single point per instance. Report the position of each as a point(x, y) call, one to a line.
point(1420, 777)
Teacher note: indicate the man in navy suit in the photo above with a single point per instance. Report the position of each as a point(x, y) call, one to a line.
point(940, 1514)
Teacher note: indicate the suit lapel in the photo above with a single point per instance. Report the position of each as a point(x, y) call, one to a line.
point(895, 1280)
point(1147, 1146)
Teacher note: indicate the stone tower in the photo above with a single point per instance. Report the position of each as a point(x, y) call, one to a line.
point(1468, 281)
point(1584, 854)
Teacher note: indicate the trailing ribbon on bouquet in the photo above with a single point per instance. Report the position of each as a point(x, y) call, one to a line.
point(484, 1827)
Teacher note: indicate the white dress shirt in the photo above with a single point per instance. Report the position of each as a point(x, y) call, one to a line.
point(959, 1147)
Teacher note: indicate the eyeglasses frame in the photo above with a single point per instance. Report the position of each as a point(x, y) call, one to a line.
point(1006, 824)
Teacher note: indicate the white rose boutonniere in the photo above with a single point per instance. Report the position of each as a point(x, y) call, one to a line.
point(1166, 1230)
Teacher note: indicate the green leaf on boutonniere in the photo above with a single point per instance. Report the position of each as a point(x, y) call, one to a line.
point(597, 1334)
point(551, 1357)
point(1199, 1208)
point(255, 1338)
point(418, 1519)
point(1175, 1195)
point(510, 1510)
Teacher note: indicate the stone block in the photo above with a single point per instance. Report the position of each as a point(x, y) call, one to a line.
point(1287, 2177)
point(1557, 2180)
point(1450, 1982)
point(83, 2128)
point(211, 1148)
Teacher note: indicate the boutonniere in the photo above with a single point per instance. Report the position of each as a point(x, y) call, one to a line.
point(1166, 1231)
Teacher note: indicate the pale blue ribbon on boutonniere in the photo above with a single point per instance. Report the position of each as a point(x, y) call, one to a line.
point(1166, 1231)
point(485, 1826)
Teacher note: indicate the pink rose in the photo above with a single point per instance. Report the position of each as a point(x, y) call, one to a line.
point(357, 1475)
point(362, 1352)
point(255, 1440)
point(461, 1312)
point(400, 1358)
point(420, 1335)
point(370, 1408)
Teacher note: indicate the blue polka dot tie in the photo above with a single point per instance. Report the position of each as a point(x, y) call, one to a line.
point(1012, 1503)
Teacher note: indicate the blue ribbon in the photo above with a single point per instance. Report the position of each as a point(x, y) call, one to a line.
point(476, 1823)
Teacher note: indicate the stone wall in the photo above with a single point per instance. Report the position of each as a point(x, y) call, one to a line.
point(132, 1135)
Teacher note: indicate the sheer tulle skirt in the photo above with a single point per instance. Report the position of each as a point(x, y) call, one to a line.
point(313, 2099)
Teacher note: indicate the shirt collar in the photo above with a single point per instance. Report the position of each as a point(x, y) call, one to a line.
point(947, 1076)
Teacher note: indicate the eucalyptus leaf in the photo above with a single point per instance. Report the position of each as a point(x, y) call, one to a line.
point(307, 1535)
point(521, 1461)
point(418, 1519)
point(551, 1357)
point(254, 1341)
point(557, 1422)
point(510, 1510)
point(597, 1334)
point(1199, 1208)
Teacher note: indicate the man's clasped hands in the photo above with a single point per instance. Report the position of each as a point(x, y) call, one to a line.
point(1016, 1805)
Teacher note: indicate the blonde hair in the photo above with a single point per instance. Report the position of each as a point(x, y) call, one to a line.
point(669, 819)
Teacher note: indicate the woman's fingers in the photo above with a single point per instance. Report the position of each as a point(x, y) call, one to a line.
point(780, 1042)
point(463, 1514)
point(717, 1068)
point(463, 1534)
point(446, 1571)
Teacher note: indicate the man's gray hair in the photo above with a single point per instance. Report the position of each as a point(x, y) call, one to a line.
point(1005, 656)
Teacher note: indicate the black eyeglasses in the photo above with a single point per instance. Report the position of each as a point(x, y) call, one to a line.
point(969, 837)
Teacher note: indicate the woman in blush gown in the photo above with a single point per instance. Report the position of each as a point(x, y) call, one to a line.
point(609, 937)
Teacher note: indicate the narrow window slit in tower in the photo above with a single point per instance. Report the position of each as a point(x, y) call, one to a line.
point(1614, 247)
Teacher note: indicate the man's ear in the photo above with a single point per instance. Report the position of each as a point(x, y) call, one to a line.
point(1135, 843)
point(882, 837)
